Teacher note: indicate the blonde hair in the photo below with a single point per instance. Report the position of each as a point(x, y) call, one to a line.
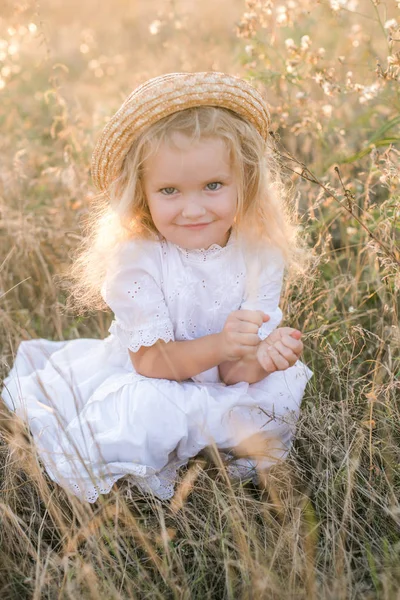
point(264, 217)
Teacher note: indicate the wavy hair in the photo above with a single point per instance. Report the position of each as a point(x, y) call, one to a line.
point(264, 214)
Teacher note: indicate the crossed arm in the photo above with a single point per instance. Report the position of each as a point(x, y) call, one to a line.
point(246, 369)
point(185, 359)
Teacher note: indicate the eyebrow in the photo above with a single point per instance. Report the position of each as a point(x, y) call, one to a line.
point(218, 177)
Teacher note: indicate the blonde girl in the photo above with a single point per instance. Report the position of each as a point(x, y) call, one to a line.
point(187, 244)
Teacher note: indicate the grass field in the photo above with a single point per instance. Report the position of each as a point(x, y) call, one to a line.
point(327, 524)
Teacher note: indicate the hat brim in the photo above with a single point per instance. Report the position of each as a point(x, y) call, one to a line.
point(162, 96)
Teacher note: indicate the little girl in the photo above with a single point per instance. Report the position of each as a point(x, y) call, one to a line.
point(188, 250)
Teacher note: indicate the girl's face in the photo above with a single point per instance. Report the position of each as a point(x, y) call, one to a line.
point(191, 191)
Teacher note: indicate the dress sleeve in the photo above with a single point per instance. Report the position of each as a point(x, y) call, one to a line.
point(263, 289)
point(132, 289)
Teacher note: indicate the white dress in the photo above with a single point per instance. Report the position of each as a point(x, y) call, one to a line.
point(95, 420)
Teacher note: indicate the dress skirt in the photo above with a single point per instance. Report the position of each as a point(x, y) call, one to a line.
point(95, 420)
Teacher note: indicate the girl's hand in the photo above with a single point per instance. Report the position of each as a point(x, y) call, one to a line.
point(280, 350)
point(239, 336)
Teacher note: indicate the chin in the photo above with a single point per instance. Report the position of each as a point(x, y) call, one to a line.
point(190, 239)
point(193, 245)
point(193, 239)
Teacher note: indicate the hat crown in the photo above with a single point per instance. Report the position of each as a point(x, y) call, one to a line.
point(164, 95)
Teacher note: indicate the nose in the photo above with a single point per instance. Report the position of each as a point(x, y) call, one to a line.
point(193, 208)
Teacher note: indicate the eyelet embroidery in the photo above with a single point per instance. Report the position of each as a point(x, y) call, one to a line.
point(161, 484)
point(205, 254)
point(133, 340)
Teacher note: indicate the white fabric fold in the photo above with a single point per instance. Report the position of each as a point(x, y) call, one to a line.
point(95, 420)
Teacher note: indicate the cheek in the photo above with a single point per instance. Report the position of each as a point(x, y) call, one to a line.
point(228, 206)
point(161, 211)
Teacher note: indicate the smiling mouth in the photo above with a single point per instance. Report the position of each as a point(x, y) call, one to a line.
point(196, 225)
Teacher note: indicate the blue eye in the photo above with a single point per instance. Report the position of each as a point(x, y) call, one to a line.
point(212, 187)
point(214, 183)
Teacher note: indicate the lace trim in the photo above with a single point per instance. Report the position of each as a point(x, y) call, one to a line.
point(203, 254)
point(142, 337)
point(91, 494)
point(161, 485)
point(151, 485)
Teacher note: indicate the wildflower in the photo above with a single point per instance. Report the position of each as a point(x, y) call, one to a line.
point(305, 42)
point(290, 45)
point(391, 24)
point(327, 87)
point(327, 109)
point(349, 4)
point(12, 49)
point(369, 92)
point(248, 16)
point(394, 59)
point(318, 78)
point(154, 27)
point(281, 15)
point(301, 97)
point(290, 66)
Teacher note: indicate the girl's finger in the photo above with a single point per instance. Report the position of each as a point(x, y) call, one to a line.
point(288, 331)
point(296, 334)
point(279, 361)
point(293, 344)
point(246, 327)
point(247, 339)
point(286, 352)
point(252, 316)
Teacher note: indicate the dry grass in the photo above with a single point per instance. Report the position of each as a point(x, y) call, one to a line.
point(326, 523)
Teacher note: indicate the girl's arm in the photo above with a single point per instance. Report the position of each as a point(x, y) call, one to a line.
point(179, 360)
point(246, 369)
point(279, 351)
point(262, 293)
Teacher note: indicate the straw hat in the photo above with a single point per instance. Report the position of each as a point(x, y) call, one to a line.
point(160, 97)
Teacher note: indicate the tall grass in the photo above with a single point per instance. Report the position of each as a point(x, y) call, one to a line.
point(325, 524)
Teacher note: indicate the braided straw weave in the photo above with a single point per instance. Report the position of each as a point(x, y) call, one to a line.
point(160, 97)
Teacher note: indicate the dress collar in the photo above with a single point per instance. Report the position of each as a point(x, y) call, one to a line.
point(205, 254)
